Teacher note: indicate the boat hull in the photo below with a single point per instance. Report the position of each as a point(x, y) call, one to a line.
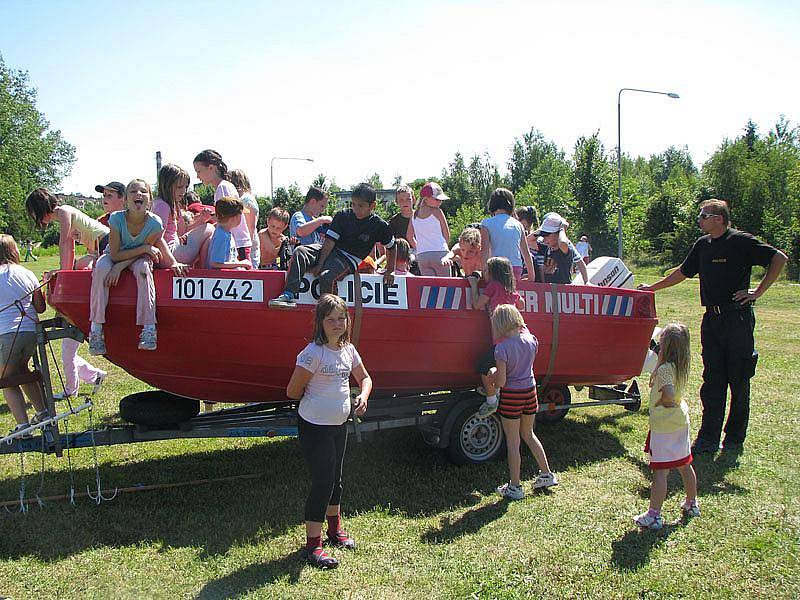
point(218, 340)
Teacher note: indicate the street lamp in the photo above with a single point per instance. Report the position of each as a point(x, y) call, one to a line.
point(619, 155)
point(272, 160)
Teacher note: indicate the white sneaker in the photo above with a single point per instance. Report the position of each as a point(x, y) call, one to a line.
point(97, 343)
point(285, 300)
point(544, 480)
point(648, 521)
point(512, 492)
point(487, 409)
point(148, 339)
point(690, 509)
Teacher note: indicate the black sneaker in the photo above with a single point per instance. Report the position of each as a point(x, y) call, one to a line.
point(703, 447)
point(319, 558)
point(732, 446)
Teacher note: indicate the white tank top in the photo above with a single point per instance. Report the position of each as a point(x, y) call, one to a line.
point(428, 233)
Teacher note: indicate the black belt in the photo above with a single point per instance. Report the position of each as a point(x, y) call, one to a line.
point(718, 309)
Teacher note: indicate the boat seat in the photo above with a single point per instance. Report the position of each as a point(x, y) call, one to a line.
point(20, 379)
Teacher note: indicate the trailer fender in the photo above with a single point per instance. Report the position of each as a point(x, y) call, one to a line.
point(469, 399)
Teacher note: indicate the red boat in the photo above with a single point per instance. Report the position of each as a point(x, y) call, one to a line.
point(218, 340)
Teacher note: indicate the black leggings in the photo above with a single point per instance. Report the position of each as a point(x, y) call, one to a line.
point(323, 448)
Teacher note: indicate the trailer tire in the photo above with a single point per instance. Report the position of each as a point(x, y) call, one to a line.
point(553, 395)
point(475, 440)
point(157, 408)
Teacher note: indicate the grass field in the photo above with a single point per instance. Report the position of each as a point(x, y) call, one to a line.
point(426, 528)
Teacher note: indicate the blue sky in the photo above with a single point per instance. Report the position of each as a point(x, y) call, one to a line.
point(392, 87)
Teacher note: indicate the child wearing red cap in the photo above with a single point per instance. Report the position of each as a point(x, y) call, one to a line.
point(429, 233)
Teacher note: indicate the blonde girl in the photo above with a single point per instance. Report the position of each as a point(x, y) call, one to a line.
point(429, 233)
point(74, 225)
point(668, 442)
point(136, 243)
point(321, 382)
point(514, 356)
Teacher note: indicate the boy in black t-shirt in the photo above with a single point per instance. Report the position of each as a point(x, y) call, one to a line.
point(349, 239)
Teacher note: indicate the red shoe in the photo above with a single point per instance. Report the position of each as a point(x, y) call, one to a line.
point(319, 558)
point(341, 539)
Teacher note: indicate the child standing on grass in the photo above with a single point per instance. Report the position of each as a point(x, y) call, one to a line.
point(514, 356)
point(321, 382)
point(668, 442)
point(18, 331)
point(136, 243)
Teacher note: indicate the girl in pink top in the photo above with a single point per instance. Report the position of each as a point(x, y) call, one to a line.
point(188, 243)
point(500, 290)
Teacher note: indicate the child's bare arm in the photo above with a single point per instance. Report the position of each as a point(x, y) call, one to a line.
point(667, 399)
point(298, 382)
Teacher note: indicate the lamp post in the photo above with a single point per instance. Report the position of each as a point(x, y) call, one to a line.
point(619, 154)
point(272, 160)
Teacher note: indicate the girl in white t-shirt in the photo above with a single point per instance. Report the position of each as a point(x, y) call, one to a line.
point(18, 330)
point(321, 382)
point(211, 170)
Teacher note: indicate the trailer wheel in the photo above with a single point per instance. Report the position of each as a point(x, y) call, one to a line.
point(474, 440)
point(553, 395)
point(157, 408)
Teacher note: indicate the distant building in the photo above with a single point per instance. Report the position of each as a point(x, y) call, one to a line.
point(80, 201)
point(385, 197)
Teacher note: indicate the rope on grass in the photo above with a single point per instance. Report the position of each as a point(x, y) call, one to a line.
point(141, 488)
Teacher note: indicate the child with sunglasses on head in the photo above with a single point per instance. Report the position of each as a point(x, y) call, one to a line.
point(668, 442)
point(320, 382)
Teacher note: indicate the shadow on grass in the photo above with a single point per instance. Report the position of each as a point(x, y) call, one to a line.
point(242, 582)
point(470, 522)
point(711, 473)
point(393, 471)
point(633, 549)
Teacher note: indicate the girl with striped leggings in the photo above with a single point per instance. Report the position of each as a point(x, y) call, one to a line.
point(514, 355)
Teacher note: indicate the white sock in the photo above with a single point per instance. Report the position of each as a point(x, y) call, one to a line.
point(97, 328)
point(491, 399)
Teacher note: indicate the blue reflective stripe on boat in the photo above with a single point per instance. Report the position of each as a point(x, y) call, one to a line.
point(432, 297)
point(448, 297)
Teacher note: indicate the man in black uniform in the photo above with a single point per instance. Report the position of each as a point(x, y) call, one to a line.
point(724, 258)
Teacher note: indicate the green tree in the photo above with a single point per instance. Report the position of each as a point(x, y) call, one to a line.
point(592, 190)
point(539, 174)
point(31, 154)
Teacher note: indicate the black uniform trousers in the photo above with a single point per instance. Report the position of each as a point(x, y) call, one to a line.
point(729, 361)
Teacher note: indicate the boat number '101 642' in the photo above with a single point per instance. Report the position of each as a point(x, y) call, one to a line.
point(212, 288)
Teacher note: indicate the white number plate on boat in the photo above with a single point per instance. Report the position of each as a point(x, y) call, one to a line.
point(212, 288)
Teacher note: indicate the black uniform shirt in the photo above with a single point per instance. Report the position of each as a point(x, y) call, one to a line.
point(358, 236)
point(725, 264)
point(399, 225)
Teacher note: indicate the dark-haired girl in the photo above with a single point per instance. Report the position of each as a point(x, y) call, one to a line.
point(321, 382)
point(211, 170)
